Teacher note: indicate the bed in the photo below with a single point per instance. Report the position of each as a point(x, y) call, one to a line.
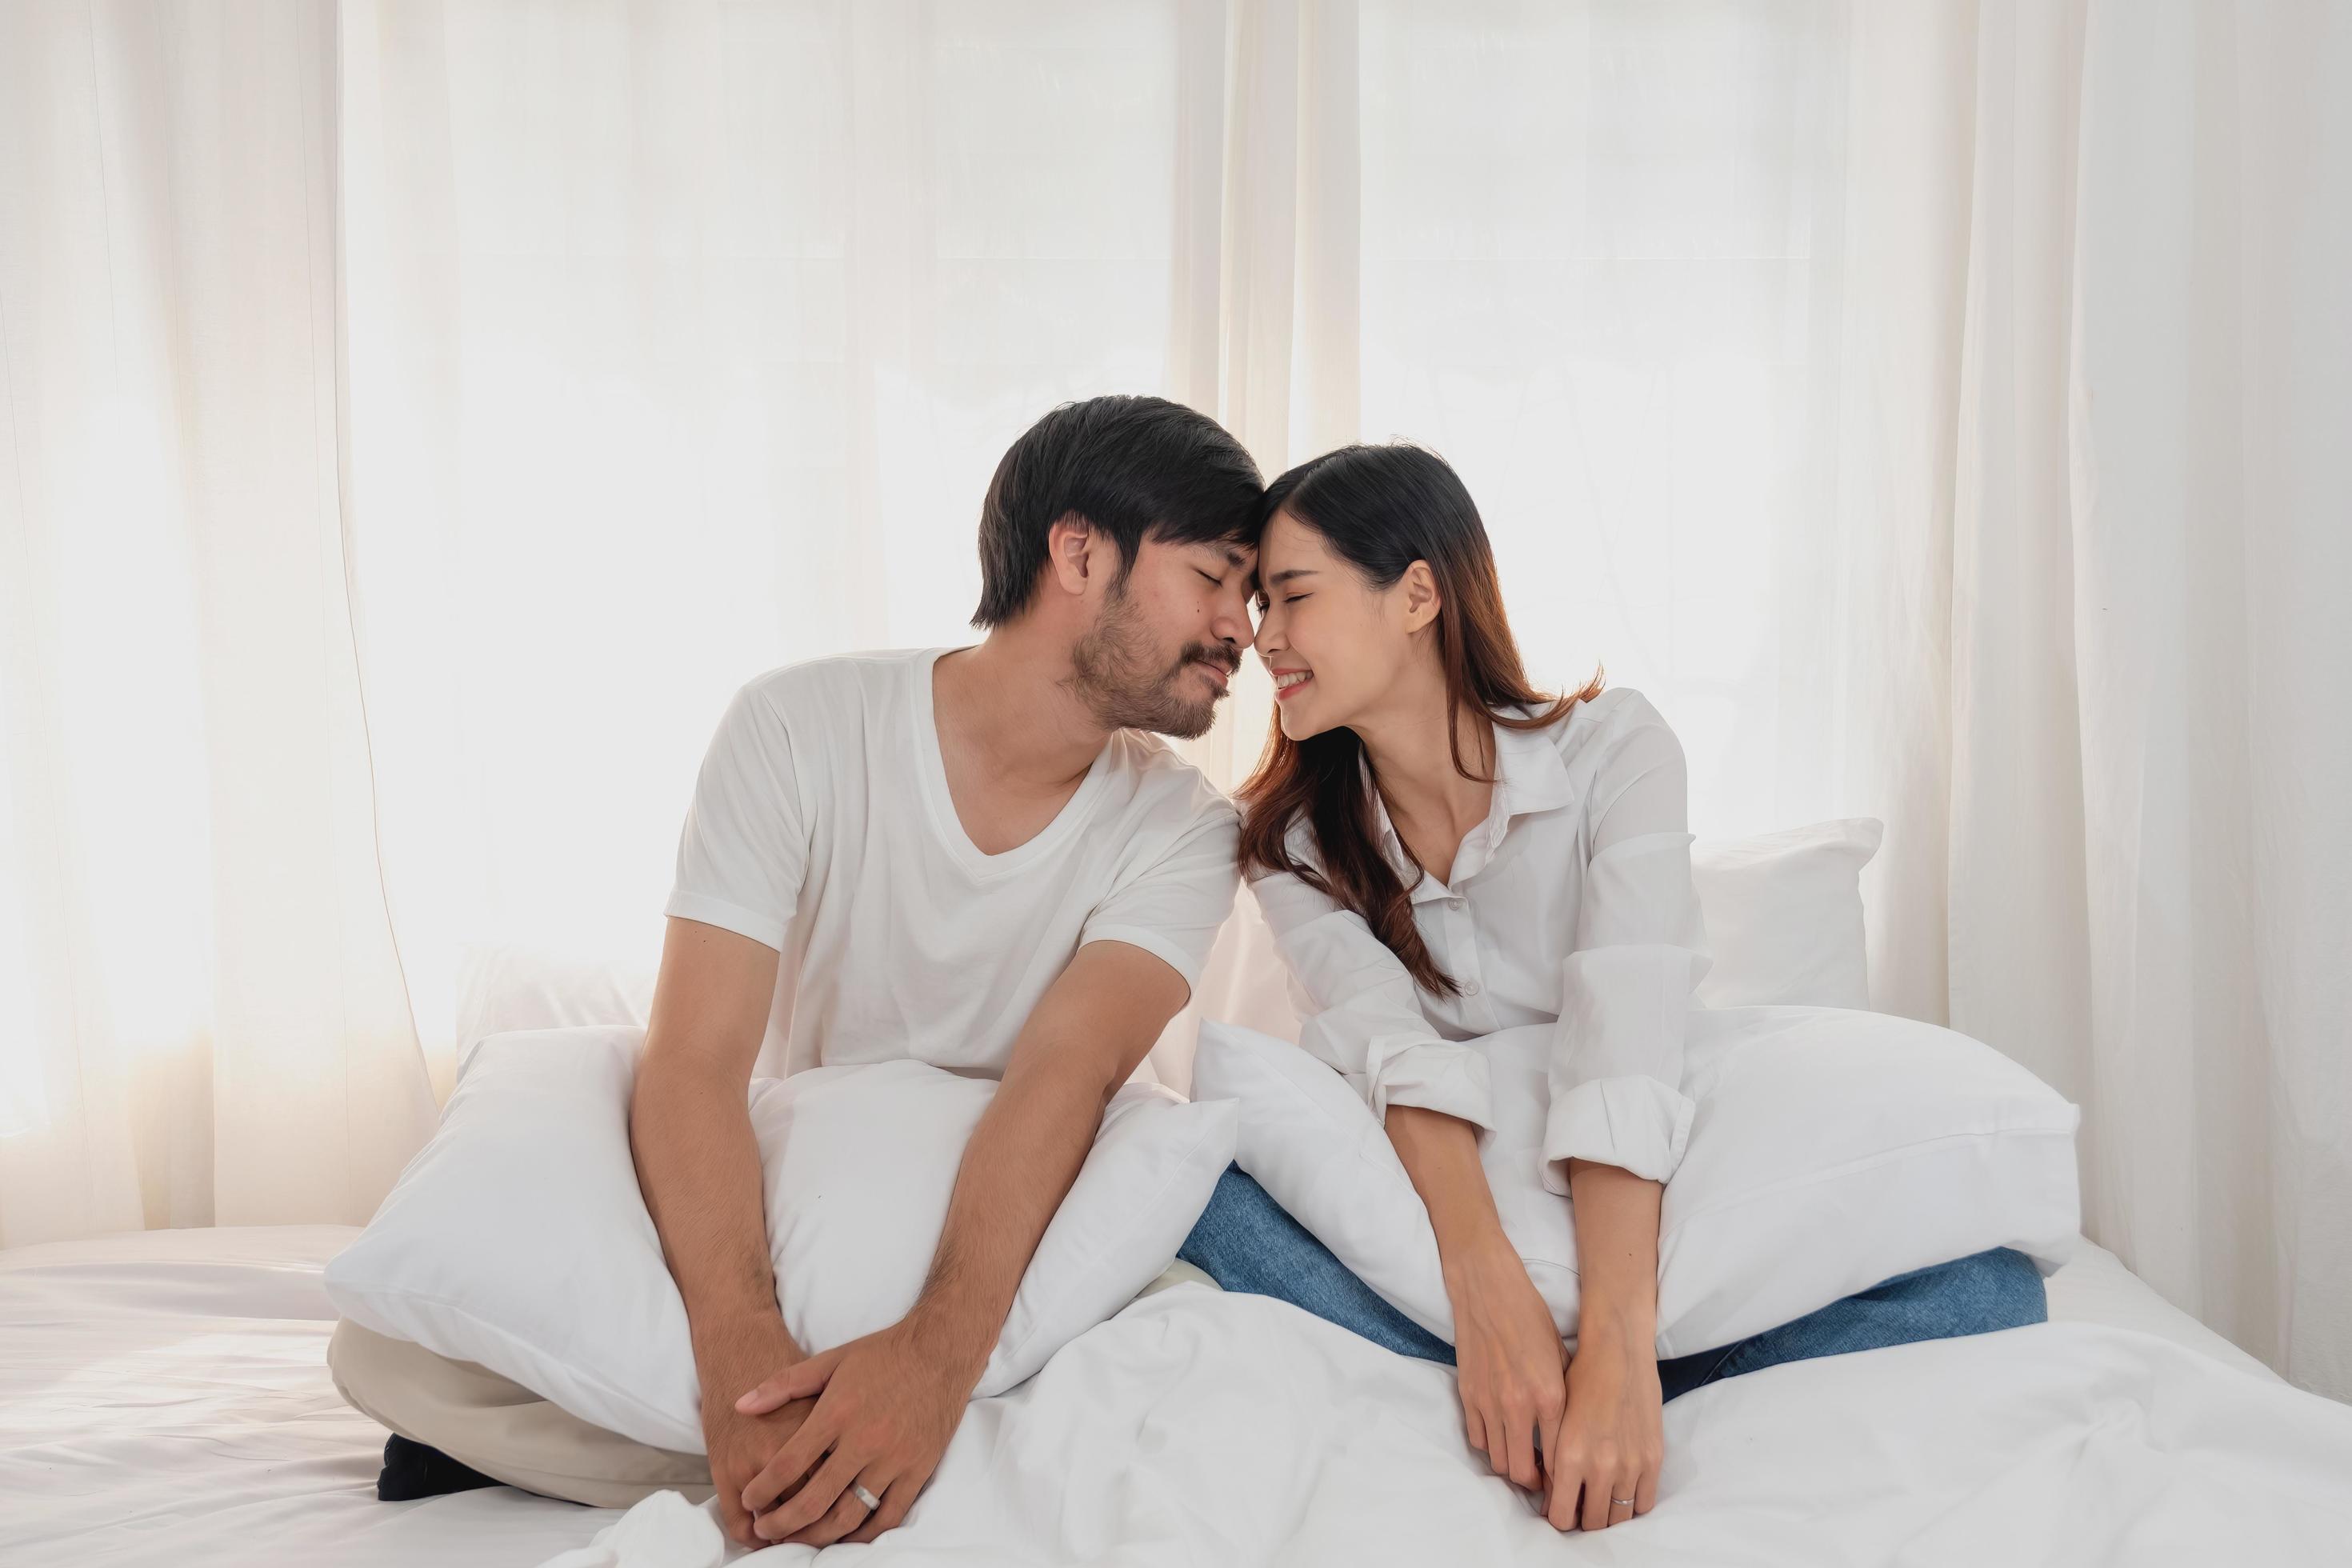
point(163, 1400)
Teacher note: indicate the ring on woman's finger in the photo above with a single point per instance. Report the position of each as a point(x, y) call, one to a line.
point(868, 1499)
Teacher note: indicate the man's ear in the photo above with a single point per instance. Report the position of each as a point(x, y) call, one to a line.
point(1422, 601)
point(1070, 553)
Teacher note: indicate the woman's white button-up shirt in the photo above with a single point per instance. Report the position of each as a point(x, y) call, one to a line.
point(1571, 904)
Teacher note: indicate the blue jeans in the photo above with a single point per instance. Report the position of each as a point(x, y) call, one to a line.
point(1247, 1242)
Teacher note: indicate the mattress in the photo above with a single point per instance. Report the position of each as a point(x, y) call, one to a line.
point(163, 1400)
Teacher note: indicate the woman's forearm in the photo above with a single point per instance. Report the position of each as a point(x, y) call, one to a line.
point(1439, 1153)
point(1616, 1249)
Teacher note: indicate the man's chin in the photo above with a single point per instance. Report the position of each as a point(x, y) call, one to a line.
point(1185, 723)
point(1191, 726)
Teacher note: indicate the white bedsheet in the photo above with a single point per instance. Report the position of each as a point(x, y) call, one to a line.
point(163, 1400)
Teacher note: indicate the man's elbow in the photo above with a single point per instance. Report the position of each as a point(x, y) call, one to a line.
point(1113, 1077)
point(674, 1084)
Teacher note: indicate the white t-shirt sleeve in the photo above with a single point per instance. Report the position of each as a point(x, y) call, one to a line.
point(744, 847)
point(1174, 906)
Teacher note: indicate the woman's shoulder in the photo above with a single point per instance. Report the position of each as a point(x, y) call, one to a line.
point(1298, 843)
point(1612, 711)
point(1618, 728)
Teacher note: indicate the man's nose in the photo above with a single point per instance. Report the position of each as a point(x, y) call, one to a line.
point(1233, 625)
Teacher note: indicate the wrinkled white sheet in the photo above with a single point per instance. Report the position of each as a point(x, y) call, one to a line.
point(163, 1400)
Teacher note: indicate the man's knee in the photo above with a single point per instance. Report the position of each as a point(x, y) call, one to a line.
point(494, 1425)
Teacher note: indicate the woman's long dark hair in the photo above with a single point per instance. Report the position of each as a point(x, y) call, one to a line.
point(1381, 509)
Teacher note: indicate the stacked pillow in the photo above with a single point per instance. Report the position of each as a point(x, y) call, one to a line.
point(1783, 915)
point(503, 987)
point(517, 1237)
point(1829, 1149)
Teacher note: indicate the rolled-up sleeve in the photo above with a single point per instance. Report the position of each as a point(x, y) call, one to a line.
point(1362, 1014)
point(1641, 949)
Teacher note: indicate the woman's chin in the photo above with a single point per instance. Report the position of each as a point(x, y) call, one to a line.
point(1298, 726)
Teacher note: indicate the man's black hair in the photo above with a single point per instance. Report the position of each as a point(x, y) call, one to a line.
point(1136, 468)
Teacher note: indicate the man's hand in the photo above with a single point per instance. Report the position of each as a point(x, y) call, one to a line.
point(888, 1403)
point(885, 1408)
point(698, 1166)
point(741, 1445)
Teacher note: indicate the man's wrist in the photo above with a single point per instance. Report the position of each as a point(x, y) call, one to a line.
point(746, 1348)
point(954, 1343)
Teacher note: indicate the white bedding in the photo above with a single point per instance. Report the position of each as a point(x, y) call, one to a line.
point(163, 1400)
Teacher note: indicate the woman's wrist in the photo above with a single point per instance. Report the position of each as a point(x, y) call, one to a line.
point(1607, 1318)
point(1471, 1246)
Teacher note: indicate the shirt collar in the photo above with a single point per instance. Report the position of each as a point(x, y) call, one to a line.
point(1529, 776)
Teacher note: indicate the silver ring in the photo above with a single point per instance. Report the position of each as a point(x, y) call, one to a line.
point(868, 1499)
point(1623, 1501)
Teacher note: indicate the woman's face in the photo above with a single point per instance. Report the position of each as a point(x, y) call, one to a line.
point(1335, 645)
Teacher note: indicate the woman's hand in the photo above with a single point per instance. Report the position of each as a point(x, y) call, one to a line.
point(1509, 1360)
point(1610, 1439)
point(1603, 1453)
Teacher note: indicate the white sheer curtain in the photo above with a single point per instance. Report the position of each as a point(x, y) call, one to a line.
point(202, 1015)
point(420, 418)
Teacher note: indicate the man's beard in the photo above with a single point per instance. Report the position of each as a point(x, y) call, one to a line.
point(1119, 676)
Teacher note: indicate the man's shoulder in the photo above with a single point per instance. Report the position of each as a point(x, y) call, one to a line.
point(1162, 784)
point(822, 687)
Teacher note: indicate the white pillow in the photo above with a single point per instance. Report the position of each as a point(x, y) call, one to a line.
point(1783, 915)
point(518, 1239)
point(503, 987)
point(1831, 1149)
point(506, 987)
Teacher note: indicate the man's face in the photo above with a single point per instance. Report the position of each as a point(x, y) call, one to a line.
point(1164, 645)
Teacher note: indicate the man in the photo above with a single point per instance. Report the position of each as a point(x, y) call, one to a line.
point(971, 858)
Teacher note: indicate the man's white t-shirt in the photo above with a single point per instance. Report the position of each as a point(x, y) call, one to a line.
point(822, 826)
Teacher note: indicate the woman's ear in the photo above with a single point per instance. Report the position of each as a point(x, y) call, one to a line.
point(1421, 597)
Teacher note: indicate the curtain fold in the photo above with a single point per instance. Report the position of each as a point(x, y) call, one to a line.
point(2211, 504)
point(420, 418)
point(213, 1025)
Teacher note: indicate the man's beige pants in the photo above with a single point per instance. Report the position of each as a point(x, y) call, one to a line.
point(507, 1432)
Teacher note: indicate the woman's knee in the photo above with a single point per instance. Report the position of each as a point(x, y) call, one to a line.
point(1997, 1288)
point(1231, 1228)
point(2009, 1289)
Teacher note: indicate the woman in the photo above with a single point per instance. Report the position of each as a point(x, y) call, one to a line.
point(1442, 852)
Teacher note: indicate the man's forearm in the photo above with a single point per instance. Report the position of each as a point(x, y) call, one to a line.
point(1616, 1248)
point(699, 1165)
point(1020, 1165)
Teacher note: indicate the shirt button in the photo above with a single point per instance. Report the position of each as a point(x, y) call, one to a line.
point(1456, 902)
point(1469, 988)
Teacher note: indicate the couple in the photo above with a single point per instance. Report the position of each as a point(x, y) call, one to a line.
point(980, 859)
